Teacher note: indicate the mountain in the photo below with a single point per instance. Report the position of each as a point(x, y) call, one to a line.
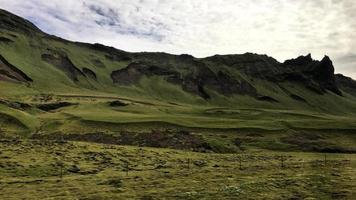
point(51, 84)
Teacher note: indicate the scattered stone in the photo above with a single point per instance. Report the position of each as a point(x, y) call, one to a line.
point(200, 163)
point(74, 169)
point(115, 182)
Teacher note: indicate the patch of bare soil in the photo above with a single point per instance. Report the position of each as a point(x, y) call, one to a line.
point(155, 138)
point(54, 106)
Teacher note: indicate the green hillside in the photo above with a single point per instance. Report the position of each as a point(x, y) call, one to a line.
point(51, 86)
point(87, 121)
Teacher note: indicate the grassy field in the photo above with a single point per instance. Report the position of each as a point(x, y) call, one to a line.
point(77, 170)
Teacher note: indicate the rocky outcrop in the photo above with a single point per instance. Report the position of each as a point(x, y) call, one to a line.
point(254, 65)
point(98, 63)
point(300, 61)
point(8, 72)
point(317, 76)
point(5, 40)
point(134, 71)
point(323, 73)
point(346, 84)
point(63, 63)
point(196, 82)
point(89, 73)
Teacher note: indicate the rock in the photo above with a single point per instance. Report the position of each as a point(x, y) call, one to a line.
point(89, 73)
point(61, 61)
point(117, 103)
point(74, 169)
point(11, 73)
point(115, 182)
point(300, 61)
point(200, 163)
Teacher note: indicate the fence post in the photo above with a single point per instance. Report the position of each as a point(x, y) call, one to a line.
point(282, 159)
point(240, 161)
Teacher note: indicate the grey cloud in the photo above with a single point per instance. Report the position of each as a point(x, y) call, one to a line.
point(350, 58)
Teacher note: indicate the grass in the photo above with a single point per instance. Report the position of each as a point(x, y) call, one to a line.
point(218, 125)
point(163, 173)
point(229, 129)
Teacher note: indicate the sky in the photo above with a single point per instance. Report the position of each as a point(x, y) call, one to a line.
point(282, 29)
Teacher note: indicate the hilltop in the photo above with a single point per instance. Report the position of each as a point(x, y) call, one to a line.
point(52, 87)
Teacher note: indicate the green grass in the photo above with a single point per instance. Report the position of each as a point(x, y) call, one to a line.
point(162, 173)
point(258, 132)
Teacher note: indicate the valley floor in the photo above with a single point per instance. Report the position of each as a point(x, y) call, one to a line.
point(38, 169)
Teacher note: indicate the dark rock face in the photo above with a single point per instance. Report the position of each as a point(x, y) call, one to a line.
point(118, 103)
point(254, 65)
point(89, 73)
point(317, 76)
point(8, 72)
point(133, 72)
point(54, 106)
point(5, 40)
point(267, 98)
point(298, 98)
point(62, 62)
point(195, 82)
point(346, 84)
point(323, 73)
point(98, 63)
point(15, 105)
point(300, 61)
point(195, 76)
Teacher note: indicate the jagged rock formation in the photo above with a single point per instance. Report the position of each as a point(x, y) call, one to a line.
point(316, 75)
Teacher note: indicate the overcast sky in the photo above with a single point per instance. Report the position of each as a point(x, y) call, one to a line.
point(280, 28)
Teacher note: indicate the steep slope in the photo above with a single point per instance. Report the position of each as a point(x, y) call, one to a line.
point(221, 91)
point(226, 75)
point(347, 84)
point(9, 72)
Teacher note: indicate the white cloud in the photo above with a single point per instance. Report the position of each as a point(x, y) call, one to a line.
point(280, 28)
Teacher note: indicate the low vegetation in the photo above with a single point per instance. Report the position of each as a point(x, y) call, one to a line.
point(86, 121)
point(79, 170)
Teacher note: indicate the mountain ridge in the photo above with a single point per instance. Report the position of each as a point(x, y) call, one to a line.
point(50, 87)
point(214, 78)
